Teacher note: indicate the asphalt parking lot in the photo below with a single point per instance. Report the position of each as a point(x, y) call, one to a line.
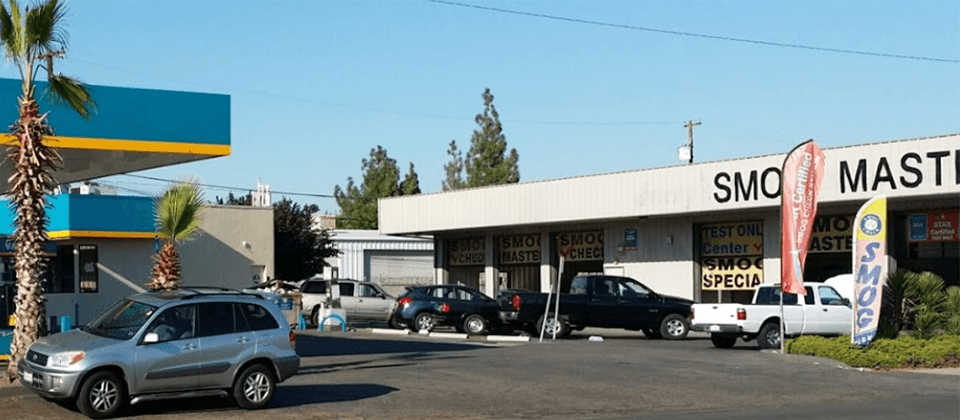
point(365, 375)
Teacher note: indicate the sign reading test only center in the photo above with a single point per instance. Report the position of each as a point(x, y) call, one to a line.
point(731, 256)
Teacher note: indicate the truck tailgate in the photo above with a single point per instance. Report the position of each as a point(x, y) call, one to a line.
point(712, 316)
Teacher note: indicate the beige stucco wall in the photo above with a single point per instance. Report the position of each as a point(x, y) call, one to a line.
point(233, 241)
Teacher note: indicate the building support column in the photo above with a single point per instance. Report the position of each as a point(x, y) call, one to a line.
point(441, 275)
point(547, 272)
point(490, 271)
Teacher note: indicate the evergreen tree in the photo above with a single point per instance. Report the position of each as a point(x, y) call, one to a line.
point(411, 183)
point(381, 178)
point(454, 169)
point(232, 200)
point(300, 247)
point(487, 162)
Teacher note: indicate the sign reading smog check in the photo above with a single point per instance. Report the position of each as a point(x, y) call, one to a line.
point(870, 268)
point(731, 255)
point(519, 249)
point(582, 246)
point(467, 252)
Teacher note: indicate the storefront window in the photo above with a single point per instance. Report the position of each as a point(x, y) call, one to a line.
point(467, 260)
point(59, 278)
point(731, 260)
point(584, 254)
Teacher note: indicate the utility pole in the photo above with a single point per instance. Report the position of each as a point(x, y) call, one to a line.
point(686, 151)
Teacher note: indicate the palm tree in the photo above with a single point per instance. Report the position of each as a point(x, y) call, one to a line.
point(32, 38)
point(177, 214)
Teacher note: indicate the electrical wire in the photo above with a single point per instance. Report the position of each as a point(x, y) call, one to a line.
point(697, 35)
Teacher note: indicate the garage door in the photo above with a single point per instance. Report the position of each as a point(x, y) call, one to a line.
point(396, 272)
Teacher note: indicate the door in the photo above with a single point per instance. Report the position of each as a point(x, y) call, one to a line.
point(836, 317)
point(348, 298)
point(172, 363)
point(225, 339)
point(371, 303)
point(638, 306)
point(604, 302)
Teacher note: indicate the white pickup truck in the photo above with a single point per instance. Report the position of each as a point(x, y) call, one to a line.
point(822, 311)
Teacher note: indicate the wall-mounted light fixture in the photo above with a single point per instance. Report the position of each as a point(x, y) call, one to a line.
point(669, 239)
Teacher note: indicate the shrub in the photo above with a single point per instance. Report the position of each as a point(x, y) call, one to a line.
point(902, 352)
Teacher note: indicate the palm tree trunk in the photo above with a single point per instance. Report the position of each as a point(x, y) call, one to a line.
point(34, 162)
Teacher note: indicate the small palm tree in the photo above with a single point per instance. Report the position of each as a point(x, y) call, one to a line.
point(32, 38)
point(177, 212)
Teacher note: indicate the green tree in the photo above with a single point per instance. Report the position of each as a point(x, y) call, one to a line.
point(178, 215)
point(411, 183)
point(487, 161)
point(300, 247)
point(32, 38)
point(453, 169)
point(381, 178)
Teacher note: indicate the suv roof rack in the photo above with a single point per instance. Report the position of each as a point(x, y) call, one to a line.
point(200, 291)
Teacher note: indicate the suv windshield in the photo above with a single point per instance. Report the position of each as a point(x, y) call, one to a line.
point(122, 320)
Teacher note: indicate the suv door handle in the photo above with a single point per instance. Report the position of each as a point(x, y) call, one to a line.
point(190, 346)
point(243, 340)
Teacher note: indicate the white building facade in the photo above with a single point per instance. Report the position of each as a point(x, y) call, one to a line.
point(394, 262)
point(707, 231)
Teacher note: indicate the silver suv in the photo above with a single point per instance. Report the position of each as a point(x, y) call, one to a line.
point(169, 344)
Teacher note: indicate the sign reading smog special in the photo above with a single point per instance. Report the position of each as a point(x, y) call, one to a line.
point(467, 252)
point(519, 249)
point(582, 246)
point(731, 256)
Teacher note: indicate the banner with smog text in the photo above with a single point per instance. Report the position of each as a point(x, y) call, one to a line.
point(801, 176)
point(869, 268)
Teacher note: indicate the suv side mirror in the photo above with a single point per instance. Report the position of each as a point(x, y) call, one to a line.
point(151, 337)
point(845, 302)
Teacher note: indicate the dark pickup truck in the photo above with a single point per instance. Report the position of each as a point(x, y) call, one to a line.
point(599, 301)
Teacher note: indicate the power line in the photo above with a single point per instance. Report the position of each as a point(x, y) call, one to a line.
point(696, 35)
point(372, 110)
point(228, 188)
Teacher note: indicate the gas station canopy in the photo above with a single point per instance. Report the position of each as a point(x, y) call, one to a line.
point(131, 130)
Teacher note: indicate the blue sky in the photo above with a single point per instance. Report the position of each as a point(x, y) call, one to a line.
point(315, 85)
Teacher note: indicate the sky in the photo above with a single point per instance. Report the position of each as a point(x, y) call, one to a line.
point(582, 88)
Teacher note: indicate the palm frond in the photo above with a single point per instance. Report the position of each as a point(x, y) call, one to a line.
point(178, 211)
point(18, 39)
point(69, 91)
point(7, 31)
point(43, 28)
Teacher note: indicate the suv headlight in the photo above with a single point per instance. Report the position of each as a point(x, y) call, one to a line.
point(66, 358)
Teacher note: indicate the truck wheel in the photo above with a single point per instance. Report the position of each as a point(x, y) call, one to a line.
point(561, 327)
point(424, 321)
point(102, 395)
point(769, 337)
point(674, 327)
point(475, 324)
point(721, 341)
point(315, 316)
point(652, 333)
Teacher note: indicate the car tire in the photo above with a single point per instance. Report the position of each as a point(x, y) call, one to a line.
point(254, 388)
point(424, 321)
point(392, 323)
point(722, 341)
point(562, 328)
point(674, 327)
point(315, 316)
point(474, 324)
point(102, 395)
point(652, 333)
point(769, 336)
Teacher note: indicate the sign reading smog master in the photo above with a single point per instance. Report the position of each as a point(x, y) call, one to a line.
point(583, 246)
point(831, 234)
point(519, 249)
point(467, 252)
point(731, 256)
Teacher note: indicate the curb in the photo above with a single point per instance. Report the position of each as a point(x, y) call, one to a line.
point(458, 336)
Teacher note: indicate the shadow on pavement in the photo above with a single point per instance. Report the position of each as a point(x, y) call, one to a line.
point(286, 396)
point(328, 345)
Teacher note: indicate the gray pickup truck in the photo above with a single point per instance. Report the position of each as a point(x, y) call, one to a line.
point(363, 301)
